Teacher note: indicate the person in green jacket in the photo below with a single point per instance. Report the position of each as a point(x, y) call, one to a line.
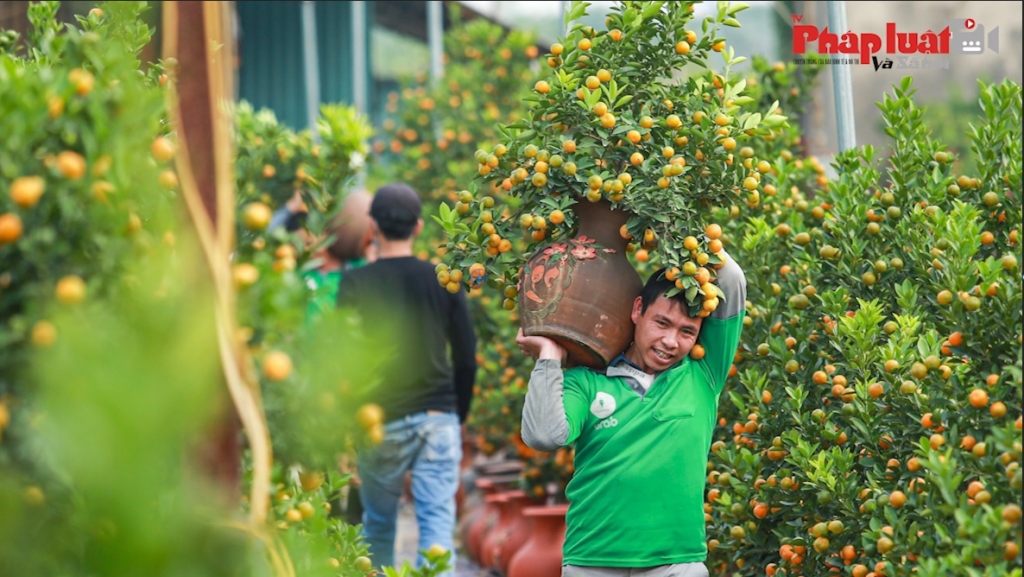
point(352, 247)
point(642, 429)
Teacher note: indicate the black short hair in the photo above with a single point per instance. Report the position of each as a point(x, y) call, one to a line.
point(396, 210)
point(657, 285)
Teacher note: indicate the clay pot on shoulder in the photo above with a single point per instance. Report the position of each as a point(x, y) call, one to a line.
point(580, 291)
point(541, 555)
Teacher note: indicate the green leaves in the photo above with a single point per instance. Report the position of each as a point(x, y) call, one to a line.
point(735, 8)
point(750, 121)
point(629, 16)
point(611, 90)
point(576, 11)
point(448, 218)
point(43, 16)
point(757, 231)
point(650, 10)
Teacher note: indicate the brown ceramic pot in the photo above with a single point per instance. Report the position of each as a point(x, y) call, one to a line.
point(541, 555)
point(465, 467)
point(492, 540)
point(473, 508)
point(580, 291)
point(488, 514)
point(518, 530)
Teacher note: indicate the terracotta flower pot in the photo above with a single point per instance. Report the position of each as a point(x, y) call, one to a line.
point(580, 291)
point(518, 531)
point(488, 514)
point(465, 468)
point(474, 507)
point(541, 555)
point(492, 539)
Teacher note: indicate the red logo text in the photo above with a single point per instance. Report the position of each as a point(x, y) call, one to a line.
point(867, 44)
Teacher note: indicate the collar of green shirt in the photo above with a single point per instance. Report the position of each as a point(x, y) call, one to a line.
point(622, 367)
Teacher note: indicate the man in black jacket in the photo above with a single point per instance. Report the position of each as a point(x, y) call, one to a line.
point(425, 391)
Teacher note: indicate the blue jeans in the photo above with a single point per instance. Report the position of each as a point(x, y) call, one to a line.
point(429, 445)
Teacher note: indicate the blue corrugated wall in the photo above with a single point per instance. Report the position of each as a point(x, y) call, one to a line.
point(334, 38)
point(271, 70)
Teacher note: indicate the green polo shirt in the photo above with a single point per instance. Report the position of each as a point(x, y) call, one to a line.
point(637, 496)
point(324, 286)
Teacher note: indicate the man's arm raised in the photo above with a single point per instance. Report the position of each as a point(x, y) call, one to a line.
point(545, 426)
point(733, 284)
point(720, 334)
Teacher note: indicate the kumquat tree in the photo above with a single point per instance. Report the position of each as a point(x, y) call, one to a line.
point(872, 423)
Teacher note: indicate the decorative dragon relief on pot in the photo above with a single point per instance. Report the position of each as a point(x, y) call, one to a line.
point(548, 274)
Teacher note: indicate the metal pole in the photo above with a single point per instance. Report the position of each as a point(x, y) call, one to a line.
point(311, 67)
point(360, 77)
point(842, 85)
point(435, 37)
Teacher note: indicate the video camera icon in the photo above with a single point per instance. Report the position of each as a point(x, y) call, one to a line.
point(968, 37)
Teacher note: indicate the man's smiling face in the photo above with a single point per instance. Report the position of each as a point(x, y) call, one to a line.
point(664, 334)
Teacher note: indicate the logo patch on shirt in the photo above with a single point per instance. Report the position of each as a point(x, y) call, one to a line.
point(603, 405)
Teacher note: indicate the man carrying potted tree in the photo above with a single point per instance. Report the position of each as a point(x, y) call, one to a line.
point(642, 430)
